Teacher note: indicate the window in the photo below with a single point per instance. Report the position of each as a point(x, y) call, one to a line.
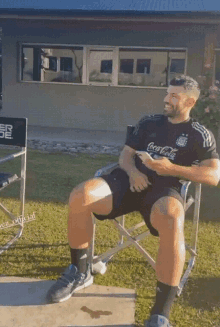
point(52, 64)
point(126, 66)
point(143, 66)
point(102, 65)
point(177, 66)
point(149, 67)
point(66, 64)
point(106, 66)
point(100, 58)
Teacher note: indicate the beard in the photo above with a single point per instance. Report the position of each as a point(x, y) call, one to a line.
point(171, 111)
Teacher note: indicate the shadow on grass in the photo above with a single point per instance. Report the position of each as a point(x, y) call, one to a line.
point(202, 293)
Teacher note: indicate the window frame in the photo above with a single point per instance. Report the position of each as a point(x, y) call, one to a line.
point(85, 70)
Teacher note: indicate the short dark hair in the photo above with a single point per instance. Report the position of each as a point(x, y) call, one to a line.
point(189, 84)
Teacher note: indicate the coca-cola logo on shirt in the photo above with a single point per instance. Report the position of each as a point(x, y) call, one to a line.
point(166, 151)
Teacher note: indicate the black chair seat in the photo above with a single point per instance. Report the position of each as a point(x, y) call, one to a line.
point(7, 178)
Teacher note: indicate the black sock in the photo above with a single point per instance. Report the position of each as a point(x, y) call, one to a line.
point(165, 296)
point(80, 258)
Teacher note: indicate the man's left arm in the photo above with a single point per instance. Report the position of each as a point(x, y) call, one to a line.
point(208, 171)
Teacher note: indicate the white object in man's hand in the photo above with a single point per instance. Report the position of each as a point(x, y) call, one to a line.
point(144, 156)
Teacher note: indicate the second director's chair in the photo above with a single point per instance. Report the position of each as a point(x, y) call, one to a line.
point(99, 263)
point(13, 134)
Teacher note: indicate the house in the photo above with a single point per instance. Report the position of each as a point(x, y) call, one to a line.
point(101, 69)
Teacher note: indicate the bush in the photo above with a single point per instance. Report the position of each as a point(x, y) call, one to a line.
point(207, 108)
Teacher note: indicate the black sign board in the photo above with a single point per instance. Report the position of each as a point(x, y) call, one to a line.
point(13, 131)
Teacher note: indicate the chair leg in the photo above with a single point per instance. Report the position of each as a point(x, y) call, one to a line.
point(186, 275)
point(97, 267)
point(192, 247)
point(23, 181)
point(99, 262)
point(7, 212)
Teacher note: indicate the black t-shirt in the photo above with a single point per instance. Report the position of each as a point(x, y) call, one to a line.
point(184, 144)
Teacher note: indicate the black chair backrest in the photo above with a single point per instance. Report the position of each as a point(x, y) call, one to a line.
point(13, 131)
point(130, 130)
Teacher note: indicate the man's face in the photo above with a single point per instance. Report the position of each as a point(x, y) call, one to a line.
point(175, 101)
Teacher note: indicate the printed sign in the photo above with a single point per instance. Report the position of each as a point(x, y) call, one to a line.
point(18, 221)
point(13, 131)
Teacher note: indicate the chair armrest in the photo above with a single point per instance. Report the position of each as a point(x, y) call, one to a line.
point(184, 189)
point(106, 170)
point(11, 156)
point(188, 200)
point(7, 178)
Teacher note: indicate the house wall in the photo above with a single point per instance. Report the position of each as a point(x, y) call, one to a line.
point(86, 106)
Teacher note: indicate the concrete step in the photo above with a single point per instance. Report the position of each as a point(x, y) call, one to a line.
point(22, 304)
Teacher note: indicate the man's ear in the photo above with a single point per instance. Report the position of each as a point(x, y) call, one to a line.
point(190, 102)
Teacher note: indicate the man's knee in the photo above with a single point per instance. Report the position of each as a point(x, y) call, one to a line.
point(94, 193)
point(77, 193)
point(167, 214)
point(83, 192)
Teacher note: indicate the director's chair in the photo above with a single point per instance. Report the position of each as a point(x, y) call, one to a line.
point(99, 263)
point(13, 134)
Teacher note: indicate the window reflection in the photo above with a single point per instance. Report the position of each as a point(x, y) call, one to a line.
point(102, 65)
point(52, 64)
point(149, 67)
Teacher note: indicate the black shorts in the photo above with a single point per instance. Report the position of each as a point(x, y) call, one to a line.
point(126, 201)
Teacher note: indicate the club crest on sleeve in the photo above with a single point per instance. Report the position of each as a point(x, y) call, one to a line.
point(182, 140)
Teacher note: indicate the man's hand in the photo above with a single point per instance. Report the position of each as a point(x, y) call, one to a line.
point(138, 181)
point(162, 166)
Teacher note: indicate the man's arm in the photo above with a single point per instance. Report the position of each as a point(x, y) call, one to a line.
point(208, 171)
point(138, 181)
point(126, 159)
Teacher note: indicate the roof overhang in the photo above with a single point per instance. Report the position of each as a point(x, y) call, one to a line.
point(206, 17)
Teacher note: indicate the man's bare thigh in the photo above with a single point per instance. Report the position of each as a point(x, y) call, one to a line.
point(96, 194)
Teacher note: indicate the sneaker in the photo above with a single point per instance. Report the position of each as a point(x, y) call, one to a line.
point(157, 321)
point(70, 282)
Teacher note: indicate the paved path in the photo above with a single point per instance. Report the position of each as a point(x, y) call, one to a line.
point(73, 141)
point(22, 304)
point(69, 135)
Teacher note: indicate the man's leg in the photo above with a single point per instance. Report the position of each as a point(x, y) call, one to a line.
point(167, 217)
point(91, 196)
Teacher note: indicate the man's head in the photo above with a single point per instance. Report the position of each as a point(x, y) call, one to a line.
point(182, 94)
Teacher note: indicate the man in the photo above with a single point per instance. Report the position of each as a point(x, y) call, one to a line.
point(181, 149)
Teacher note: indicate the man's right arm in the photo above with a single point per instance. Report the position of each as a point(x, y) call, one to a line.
point(138, 181)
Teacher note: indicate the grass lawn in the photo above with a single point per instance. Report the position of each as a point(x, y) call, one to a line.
point(43, 251)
